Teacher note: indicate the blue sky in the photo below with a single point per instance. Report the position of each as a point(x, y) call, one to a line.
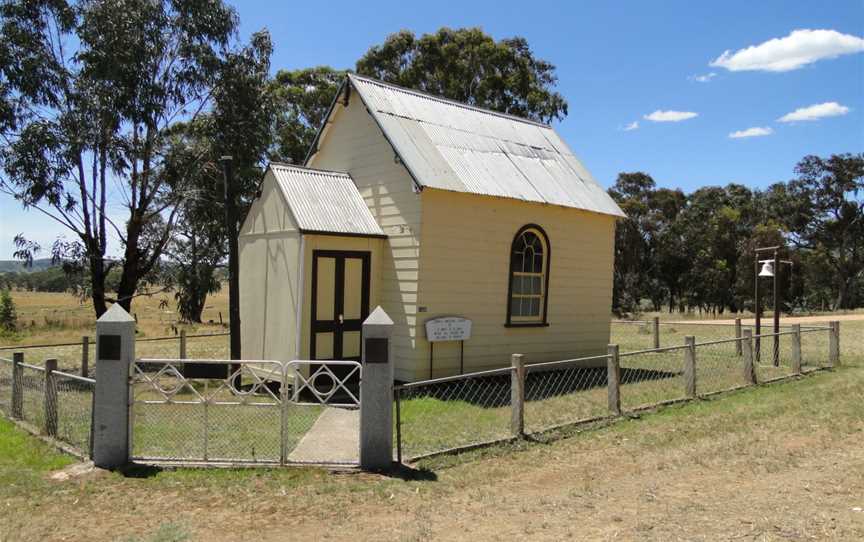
point(618, 62)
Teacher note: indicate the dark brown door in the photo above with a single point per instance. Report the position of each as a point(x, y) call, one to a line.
point(340, 303)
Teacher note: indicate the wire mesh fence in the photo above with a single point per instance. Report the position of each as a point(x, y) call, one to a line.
point(720, 366)
point(6, 386)
point(74, 409)
point(651, 377)
point(254, 414)
point(33, 391)
point(562, 392)
point(453, 412)
point(775, 357)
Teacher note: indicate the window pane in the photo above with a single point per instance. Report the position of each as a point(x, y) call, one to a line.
point(535, 285)
point(538, 263)
point(535, 307)
point(517, 284)
point(515, 306)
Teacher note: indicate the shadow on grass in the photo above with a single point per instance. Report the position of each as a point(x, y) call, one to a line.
point(411, 474)
point(494, 391)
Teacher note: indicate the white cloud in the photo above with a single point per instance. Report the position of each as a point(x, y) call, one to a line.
point(815, 112)
point(756, 131)
point(632, 126)
point(794, 51)
point(670, 116)
point(705, 78)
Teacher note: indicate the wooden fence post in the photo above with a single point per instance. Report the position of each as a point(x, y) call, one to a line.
point(749, 366)
point(690, 367)
point(517, 395)
point(834, 344)
point(738, 336)
point(50, 398)
point(796, 349)
point(656, 327)
point(17, 386)
point(182, 344)
point(613, 379)
point(85, 356)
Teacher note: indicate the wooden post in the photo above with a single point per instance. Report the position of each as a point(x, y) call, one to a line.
point(834, 344)
point(738, 336)
point(613, 380)
point(17, 386)
point(690, 367)
point(796, 349)
point(656, 329)
point(85, 356)
point(182, 344)
point(50, 398)
point(517, 395)
point(749, 365)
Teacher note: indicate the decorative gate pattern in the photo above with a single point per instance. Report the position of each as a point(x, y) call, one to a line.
point(258, 413)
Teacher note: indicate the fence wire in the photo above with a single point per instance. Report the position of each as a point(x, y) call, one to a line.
point(33, 388)
point(453, 413)
point(6, 386)
point(649, 378)
point(720, 366)
point(775, 356)
point(565, 392)
point(74, 410)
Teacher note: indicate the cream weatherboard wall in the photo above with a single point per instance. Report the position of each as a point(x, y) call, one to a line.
point(464, 264)
point(353, 143)
point(269, 246)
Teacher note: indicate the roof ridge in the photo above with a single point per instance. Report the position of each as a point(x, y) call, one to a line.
point(286, 165)
point(449, 101)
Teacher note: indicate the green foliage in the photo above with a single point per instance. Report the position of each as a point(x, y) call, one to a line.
point(303, 98)
point(8, 314)
point(89, 96)
point(469, 66)
point(697, 250)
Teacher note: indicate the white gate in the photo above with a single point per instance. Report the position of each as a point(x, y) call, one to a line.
point(259, 412)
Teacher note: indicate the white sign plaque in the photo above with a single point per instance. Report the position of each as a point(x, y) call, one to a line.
point(448, 328)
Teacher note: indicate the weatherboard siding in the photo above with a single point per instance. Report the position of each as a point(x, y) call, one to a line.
point(269, 247)
point(353, 143)
point(464, 265)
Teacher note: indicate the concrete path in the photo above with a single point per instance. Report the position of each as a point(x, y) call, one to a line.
point(334, 438)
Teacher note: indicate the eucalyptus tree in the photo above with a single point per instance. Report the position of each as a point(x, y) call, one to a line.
point(238, 125)
point(303, 98)
point(90, 91)
point(469, 66)
point(823, 211)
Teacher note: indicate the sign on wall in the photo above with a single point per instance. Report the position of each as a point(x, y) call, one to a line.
point(448, 328)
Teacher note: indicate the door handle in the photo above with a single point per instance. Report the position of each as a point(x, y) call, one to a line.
point(341, 319)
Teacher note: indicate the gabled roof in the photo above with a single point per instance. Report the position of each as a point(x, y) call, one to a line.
point(325, 202)
point(453, 146)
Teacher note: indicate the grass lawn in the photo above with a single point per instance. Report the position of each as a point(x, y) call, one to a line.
point(701, 470)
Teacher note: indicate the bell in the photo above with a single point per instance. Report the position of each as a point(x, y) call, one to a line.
point(767, 269)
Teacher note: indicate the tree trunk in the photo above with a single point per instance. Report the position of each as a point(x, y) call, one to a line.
point(129, 277)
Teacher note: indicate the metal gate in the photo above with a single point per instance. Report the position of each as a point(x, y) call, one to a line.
point(261, 412)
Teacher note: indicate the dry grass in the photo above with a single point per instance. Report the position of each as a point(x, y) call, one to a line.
point(46, 317)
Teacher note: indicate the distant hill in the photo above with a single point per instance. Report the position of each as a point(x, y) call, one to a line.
point(17, 266)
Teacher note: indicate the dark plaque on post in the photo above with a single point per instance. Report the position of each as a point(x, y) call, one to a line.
point(110, 348)
point(376, 350)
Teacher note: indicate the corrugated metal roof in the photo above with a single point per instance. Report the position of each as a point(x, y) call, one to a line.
point(453, 146)
point(325, 201)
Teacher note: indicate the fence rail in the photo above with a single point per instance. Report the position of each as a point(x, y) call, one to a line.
point(52, 402)
point(465, 411)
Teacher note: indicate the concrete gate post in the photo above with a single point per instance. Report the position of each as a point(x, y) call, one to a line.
point(115, 352)
point(376, 393)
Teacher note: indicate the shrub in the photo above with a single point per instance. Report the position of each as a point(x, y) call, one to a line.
point(8, 316)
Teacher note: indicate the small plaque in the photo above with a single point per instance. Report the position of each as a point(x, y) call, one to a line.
point(376, 351)
point(205, 370)
point(110, 347)
point(448, 328)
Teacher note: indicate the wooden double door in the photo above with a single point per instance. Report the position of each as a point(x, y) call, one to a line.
point(340, 303)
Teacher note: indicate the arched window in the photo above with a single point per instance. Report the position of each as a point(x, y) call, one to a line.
point(528, 293)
